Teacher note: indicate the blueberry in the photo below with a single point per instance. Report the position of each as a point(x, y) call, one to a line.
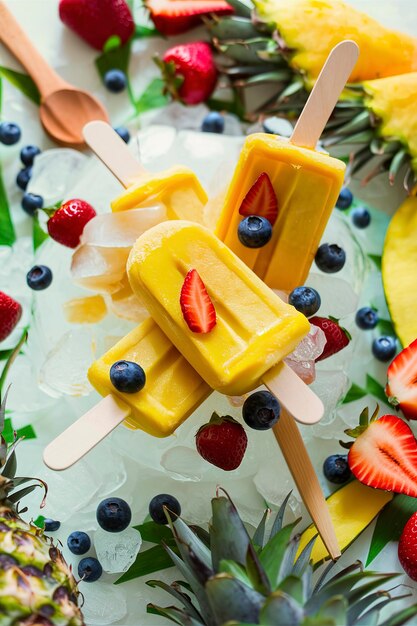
point(127, 377)
point(384, 348)
point(254, 231)
point(114, 515)
point(79, 542)
point(115, 80)
point(361, 217)
point(39, 277)
point(345, 198)
point(157, 504)
point(306, 300)
point(28, 153)
point(89, 569)
point(23, 178)
point(10, 133)
point(330, 258)
point(213, 123)
point(366, 318)
point(31, 203)
point(261, 410)
point(123, 133)
point(50, 525)
point(336, 469)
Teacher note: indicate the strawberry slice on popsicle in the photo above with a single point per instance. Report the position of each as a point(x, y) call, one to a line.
point(196, 305)
point(261, 200)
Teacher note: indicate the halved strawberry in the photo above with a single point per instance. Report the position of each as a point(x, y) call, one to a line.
point(172, 17)
point(196, 306)
point(401, 388)
point(384, 455)
point(261, 200)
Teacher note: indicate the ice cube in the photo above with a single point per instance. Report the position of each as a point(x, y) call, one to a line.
point(337, 296)
point(117, 551)
point(302, 360)
point(274, 482)
point(183, 463)
point(129, 307)
point(55, 172)
point(181, 117)
point(120, 230)
point(331, 386)
point(99, 269)
point(104, 604)
point(64, 370)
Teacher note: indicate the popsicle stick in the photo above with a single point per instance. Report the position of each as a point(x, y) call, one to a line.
point(84, 434)
point(295, 453)
point(294, 394)
point(325, 94)
point(113, 152)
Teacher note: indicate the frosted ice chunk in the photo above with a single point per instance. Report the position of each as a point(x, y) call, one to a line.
point(104, 604)
point(117, 551)
point(180, 116)
point(98, 268)
point(55, 172)
point(183, 463)
point(302, 360)
point(120, 230)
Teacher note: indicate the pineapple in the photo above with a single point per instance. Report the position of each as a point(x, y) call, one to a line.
point(234, 579)
point(36, 586)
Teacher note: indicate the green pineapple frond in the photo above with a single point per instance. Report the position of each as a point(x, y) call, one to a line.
point(235, 579)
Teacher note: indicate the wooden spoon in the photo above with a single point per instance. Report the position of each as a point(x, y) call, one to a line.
point(64, 109)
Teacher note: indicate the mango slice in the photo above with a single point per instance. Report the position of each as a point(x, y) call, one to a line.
point(399, 270)
point(352, 508)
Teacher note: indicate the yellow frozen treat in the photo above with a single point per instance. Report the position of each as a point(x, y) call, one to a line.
point(296, 188)
point(178, 188)
point(173, 390)
point(254, 330)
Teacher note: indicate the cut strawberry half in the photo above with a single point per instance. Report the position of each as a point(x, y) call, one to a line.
point(384, 455)
point(172, 17)
point(196, 306)
point(261, 200)
point(401, 388)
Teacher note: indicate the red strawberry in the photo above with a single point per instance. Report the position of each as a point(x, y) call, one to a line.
point(337, 337)
point(222, 442)
point(196, 306)
point(384, 455)
point(401, 387)
point(261, 200)
point(407, 547)
point(189, 72)
point(10, 314)
point(66, 225)
point(96, 21)
point(172, 17)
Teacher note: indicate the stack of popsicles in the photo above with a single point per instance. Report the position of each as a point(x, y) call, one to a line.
point(255, 329)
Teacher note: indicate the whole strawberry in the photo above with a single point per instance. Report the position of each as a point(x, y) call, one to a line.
point(10, 314)
point(337, 337)
point(96, 21)
point(407, 547)
point(222, 442)
point(189, 72)
point(66, 225)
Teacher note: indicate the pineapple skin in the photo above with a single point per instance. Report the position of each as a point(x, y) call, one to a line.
point(37, 587)
point(311, 28)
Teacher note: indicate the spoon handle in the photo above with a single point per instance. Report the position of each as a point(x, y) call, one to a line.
point(18, 43)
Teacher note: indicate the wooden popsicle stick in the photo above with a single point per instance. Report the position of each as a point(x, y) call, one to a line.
point(325, 94)
point(84, 434)
point(295, 453)
point(110, 148)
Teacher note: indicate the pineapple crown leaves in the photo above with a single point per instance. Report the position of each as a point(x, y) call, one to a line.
point(364, 422)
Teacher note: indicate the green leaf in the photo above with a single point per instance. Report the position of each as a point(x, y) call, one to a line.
point(38, 234)
point(277, 525)
point(390, 523)
point(402, 617)
point(375, 388)
point(113, 58)
point(144, 31)
point(152, 98)
point(386, 327)
point(228, 535)
point(273, 553)
point(23, 82)
point(7, 232)
point(235, 570)
point(174, 591)
point(154, 533)
point(335, 609)
point(355, 393)
point(377, 260)
point(40, 522)
point(112, 43)
point(147, 562)
point(4, 354)
point(279, 609)
point(259, 535)
point(293, 586)
point(8, 433)
point(231, 599)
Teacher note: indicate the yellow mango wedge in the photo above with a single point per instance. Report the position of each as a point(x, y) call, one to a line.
point(399, 270)
point(352, 508)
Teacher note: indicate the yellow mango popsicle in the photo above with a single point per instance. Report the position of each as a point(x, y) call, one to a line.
point(255, 329)
point(173, 389)
point(306, 184)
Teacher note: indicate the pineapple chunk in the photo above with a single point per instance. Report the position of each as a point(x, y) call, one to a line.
point(352, 508)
